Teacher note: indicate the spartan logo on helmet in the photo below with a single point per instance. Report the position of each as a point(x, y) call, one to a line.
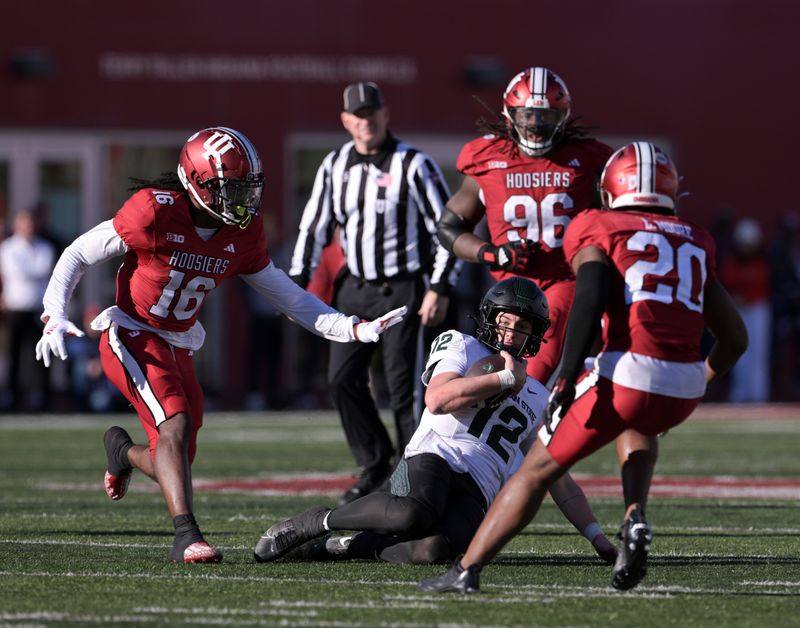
point(221, 170)
point(520, 296)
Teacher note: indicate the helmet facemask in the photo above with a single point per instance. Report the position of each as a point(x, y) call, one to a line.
point(535, 128)
point(492, 333)
point(235, 201)
point(536, 105)
point(519, 296)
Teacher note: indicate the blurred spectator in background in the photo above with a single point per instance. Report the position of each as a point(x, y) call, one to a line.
point(326, 277)
point(722, 230)
point(784, 257)
point(746, 275)
point(26, 261)
point(265, 389)
point(91, 390)
point(41, 220)
point(323, 284)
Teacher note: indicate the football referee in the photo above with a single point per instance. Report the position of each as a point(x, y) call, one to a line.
point(386, 197)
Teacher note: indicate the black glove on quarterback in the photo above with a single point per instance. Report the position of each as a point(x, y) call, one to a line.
point(561, 398)
point(512, 256)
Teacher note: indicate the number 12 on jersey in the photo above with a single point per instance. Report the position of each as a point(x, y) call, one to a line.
point(499, 432)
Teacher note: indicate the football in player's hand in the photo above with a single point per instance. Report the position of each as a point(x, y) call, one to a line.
point(492, 363)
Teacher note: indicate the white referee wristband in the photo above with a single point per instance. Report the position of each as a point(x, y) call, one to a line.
point(592, 530)
point(506, 378)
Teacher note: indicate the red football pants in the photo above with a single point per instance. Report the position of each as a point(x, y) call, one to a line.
point(602, 410)
point(157, 378)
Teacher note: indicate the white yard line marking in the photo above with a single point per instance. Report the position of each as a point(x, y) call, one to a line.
point(769, 583)
point(217, 619)
point(541, 590)
point(84, 544)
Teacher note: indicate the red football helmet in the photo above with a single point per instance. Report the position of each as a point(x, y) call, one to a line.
point(536, 105)
point(639, 174)
point(221, 170)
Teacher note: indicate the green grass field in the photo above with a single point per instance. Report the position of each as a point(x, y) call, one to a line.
point(69, 556)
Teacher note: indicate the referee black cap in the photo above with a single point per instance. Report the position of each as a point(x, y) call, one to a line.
point(360, 95)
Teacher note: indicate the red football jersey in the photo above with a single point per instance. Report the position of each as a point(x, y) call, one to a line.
point(534, 197)
point(169, 268)
point(660, 266)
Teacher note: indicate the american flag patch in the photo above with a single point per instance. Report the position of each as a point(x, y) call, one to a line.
point(383, 180)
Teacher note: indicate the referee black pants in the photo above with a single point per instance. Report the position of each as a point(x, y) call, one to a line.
point(348, 369)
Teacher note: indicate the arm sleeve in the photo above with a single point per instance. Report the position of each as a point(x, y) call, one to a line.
point(315, 229)
point(591, 293)
point(431, 193)
point(93, 247)
point(300, 306)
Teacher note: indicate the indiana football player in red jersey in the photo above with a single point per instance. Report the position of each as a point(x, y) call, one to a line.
point(650, 276)
point(181, 237)
point(530, 177)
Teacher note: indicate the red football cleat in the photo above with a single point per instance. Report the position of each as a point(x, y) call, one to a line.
point(201, 552)
point(117, 485)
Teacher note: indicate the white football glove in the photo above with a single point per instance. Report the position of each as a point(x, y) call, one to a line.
point(371, 331)
point(52, 340)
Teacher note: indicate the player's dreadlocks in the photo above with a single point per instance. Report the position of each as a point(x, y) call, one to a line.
point(499, 126)
point(165, 181)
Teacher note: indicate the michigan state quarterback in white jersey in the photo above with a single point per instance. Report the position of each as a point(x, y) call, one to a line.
point(482, 413)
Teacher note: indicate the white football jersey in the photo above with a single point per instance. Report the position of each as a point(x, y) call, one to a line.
point(487, 443)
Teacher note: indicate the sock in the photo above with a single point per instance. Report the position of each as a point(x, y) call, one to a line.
point(117, 444)
point(186, 533)
point(122, 459)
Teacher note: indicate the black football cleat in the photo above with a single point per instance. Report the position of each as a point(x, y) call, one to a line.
point(456, 579)
point(635, 539)
point(287, 535)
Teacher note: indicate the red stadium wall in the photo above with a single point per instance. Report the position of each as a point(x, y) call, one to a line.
point(715, 79)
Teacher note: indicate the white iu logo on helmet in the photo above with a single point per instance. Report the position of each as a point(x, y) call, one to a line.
point(217, 145)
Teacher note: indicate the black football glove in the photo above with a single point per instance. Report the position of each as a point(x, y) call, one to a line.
point(511, 256)
point(561, 398)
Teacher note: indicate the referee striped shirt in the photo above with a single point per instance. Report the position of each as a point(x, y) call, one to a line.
point(387, 206)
